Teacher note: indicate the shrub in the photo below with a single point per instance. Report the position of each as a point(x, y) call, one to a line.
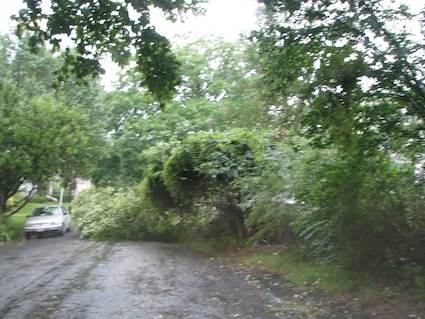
point(108, 213)
point(5, 231)
point(358, 210)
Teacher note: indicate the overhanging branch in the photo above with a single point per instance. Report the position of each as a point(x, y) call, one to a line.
point(23, 202)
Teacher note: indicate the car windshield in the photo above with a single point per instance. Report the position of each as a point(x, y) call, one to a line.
point(46, 211)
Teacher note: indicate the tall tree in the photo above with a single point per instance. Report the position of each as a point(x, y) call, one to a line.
point(39, 138)
point(218, 92)
point(225, 73)
point(43, 132)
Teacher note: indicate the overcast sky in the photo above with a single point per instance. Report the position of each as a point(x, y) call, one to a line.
point(225, 18)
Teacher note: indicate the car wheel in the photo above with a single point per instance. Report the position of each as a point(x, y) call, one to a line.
point(68, 229)
point(61, 231)
point(27, 236)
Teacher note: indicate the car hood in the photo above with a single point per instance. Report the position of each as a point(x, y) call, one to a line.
point(44, 220)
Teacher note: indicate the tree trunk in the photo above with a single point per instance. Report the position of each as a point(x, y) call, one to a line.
point(72, 186)
point(3, 202)
point(238, 214)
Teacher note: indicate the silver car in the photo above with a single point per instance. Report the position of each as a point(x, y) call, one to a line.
point(47, 219)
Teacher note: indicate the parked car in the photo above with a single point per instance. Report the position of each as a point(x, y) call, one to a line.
point(47, 219)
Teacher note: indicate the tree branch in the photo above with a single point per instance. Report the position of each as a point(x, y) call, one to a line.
point(23, 201)
point(15, 188)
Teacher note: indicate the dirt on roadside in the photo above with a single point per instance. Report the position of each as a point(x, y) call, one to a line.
point(314, 303)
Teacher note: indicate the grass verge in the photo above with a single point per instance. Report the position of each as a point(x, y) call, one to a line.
point(331, 278)
point(328, 277)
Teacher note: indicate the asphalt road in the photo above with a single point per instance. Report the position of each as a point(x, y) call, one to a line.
point(65, 277)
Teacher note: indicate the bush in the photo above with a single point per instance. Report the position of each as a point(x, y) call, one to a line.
point(358, 210)
point(108, 213)
point(6, 233)
point(361, 211)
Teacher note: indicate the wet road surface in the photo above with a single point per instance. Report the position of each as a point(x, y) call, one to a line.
point(69, 278)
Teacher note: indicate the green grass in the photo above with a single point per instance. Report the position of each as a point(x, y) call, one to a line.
point(336, 280)
point(301, 273)
point(331, 278)
point(12, 227)
point(203, 247)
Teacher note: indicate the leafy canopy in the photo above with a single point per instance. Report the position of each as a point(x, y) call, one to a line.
point(347, 69)
point(120, 28)
point(39, 138)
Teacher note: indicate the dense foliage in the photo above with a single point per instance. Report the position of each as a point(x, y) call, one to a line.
point(355, 78)
point(188, 185)
point(209, 98)
point(348, 203)
point(108, 213)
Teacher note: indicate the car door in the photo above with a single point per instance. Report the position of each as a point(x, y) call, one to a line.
point(67, 219)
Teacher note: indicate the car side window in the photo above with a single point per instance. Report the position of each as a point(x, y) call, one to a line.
point(65, 212)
